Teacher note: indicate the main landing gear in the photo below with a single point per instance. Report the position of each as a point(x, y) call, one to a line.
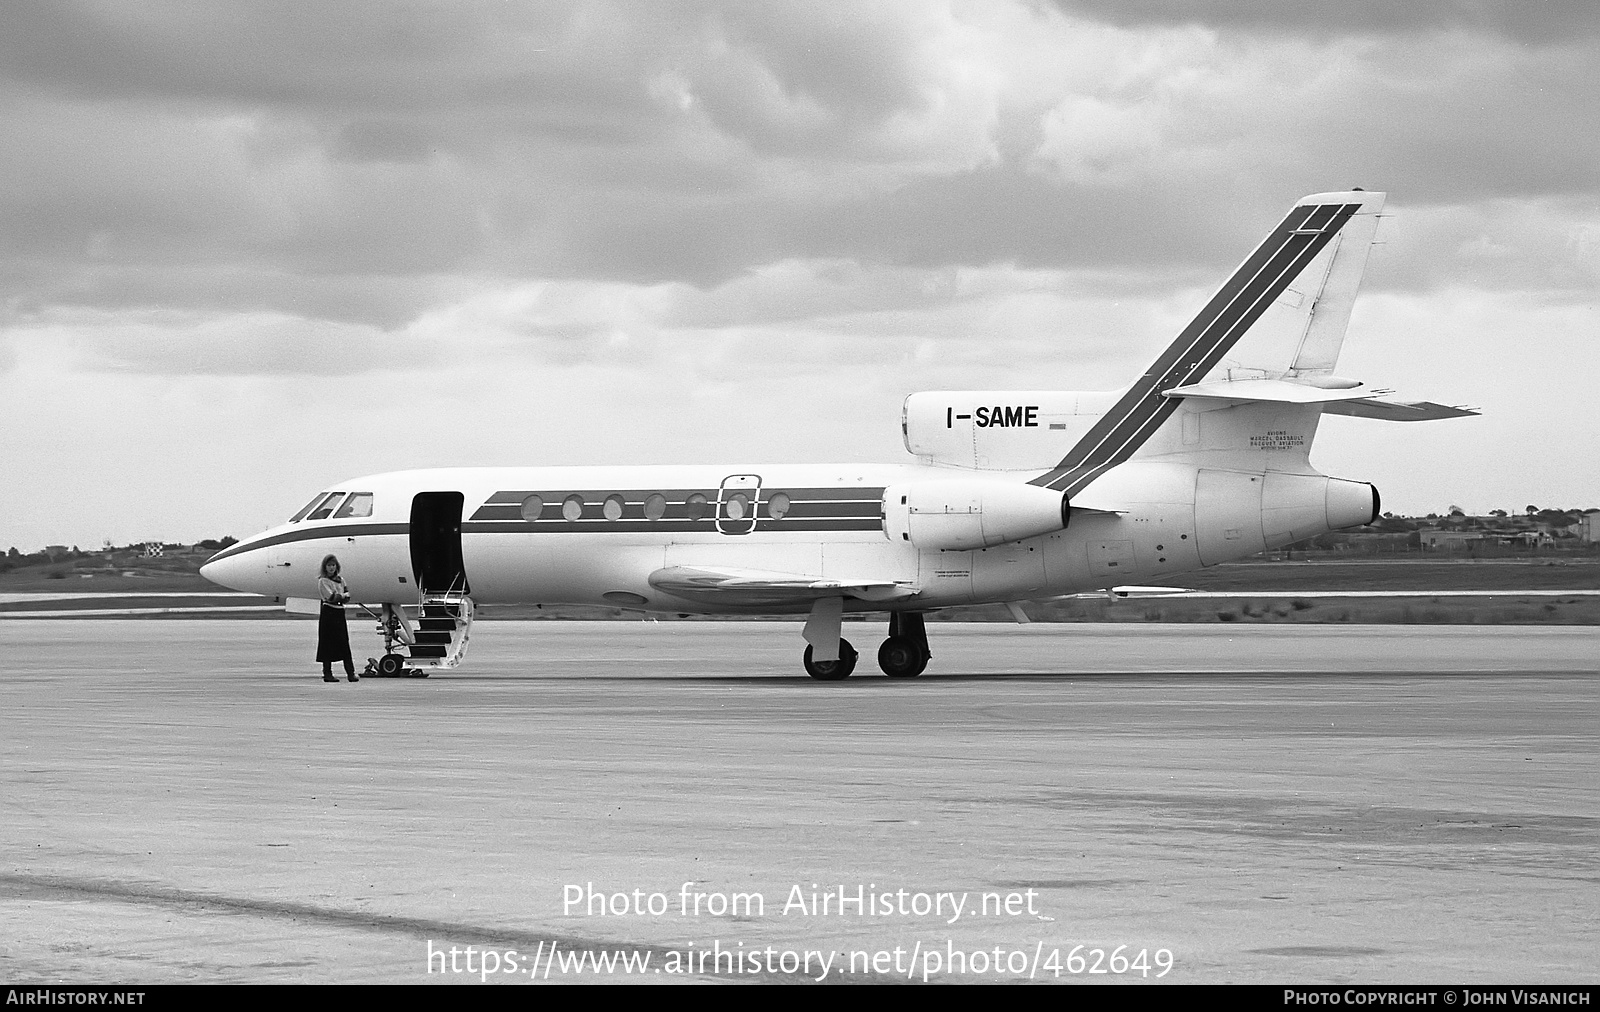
point(833, 671)
point(903, 655)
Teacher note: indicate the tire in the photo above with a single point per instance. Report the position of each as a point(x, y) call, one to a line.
point(391, 666)
point(900, 657)
point(833, 671)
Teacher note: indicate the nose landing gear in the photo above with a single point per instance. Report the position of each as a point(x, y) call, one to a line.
point(396, 632)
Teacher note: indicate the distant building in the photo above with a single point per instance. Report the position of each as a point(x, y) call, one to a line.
point(1453, 541)
point(1588, 526)
point(1449, 540)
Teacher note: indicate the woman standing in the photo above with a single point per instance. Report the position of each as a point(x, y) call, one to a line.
point(333, 637)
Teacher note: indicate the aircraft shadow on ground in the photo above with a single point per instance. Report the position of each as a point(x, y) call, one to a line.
point(930, 677)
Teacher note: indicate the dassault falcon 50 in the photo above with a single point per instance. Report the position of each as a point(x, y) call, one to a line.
point(1010, 495)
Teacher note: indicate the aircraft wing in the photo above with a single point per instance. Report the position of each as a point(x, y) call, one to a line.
point(756, 587)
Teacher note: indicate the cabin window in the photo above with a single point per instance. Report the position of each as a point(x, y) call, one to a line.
point(655, 507)
point(697, 507)
point(532, 507)
point(308, 507)
point(778, 506)
point(737, 504)
point(572, 508)
point(612, 507)
point(323, 510)
point(358, 505)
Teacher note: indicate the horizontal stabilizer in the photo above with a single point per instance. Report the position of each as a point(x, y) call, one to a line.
point(1357, 401)
point(1276, 391)
point(1398, 411)
point(754, 587)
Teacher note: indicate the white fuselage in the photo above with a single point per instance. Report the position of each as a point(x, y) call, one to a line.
point(834, 529)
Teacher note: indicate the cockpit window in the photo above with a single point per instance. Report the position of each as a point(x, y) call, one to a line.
point(358, 505)
point(308, 507)
point(325, 507)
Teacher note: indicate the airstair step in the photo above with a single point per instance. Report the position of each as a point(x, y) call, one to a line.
point(429, 649)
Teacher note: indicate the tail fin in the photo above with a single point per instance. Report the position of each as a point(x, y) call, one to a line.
point(1266, 274)
point(1324, 294)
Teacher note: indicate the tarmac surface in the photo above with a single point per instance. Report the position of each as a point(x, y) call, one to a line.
point(188, 801)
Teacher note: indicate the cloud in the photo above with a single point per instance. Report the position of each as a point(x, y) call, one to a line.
point(1550, 21)
point(691, 143)
point(703, 204)
point(1441, 119)
point(168, 343)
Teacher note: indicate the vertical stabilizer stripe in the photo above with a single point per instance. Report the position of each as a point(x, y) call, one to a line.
point(1214, 331)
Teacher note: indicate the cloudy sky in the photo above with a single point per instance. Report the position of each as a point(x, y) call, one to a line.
point(249, 250)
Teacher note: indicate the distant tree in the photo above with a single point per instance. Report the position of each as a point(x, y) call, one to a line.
point(1497, 513)
point(227, 541)
point(1530, 509)
point(1457, 511)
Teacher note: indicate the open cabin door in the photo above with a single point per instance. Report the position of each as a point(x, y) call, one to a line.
point(436, 542)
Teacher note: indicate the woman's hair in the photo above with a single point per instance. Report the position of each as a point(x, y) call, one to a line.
point(327, 559)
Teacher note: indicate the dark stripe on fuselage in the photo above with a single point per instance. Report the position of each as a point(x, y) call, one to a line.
point(1270, 269)
point(805, 504)
point(665, 526)
point(813, 509)
point(514, 497)
point(337, 530)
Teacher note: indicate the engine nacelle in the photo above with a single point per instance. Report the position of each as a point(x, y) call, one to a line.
point(964, 514)
point(1352, 503)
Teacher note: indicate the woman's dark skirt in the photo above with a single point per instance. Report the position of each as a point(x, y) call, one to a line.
point(333, 636)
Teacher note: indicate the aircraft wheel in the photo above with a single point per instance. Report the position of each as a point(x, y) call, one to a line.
point(900, 657)
point(391, 665)
point(833, 671)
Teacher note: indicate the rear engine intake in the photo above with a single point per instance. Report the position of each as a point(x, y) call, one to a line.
point(964, 515)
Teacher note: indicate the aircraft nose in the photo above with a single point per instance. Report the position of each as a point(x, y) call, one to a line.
point(227, 572)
